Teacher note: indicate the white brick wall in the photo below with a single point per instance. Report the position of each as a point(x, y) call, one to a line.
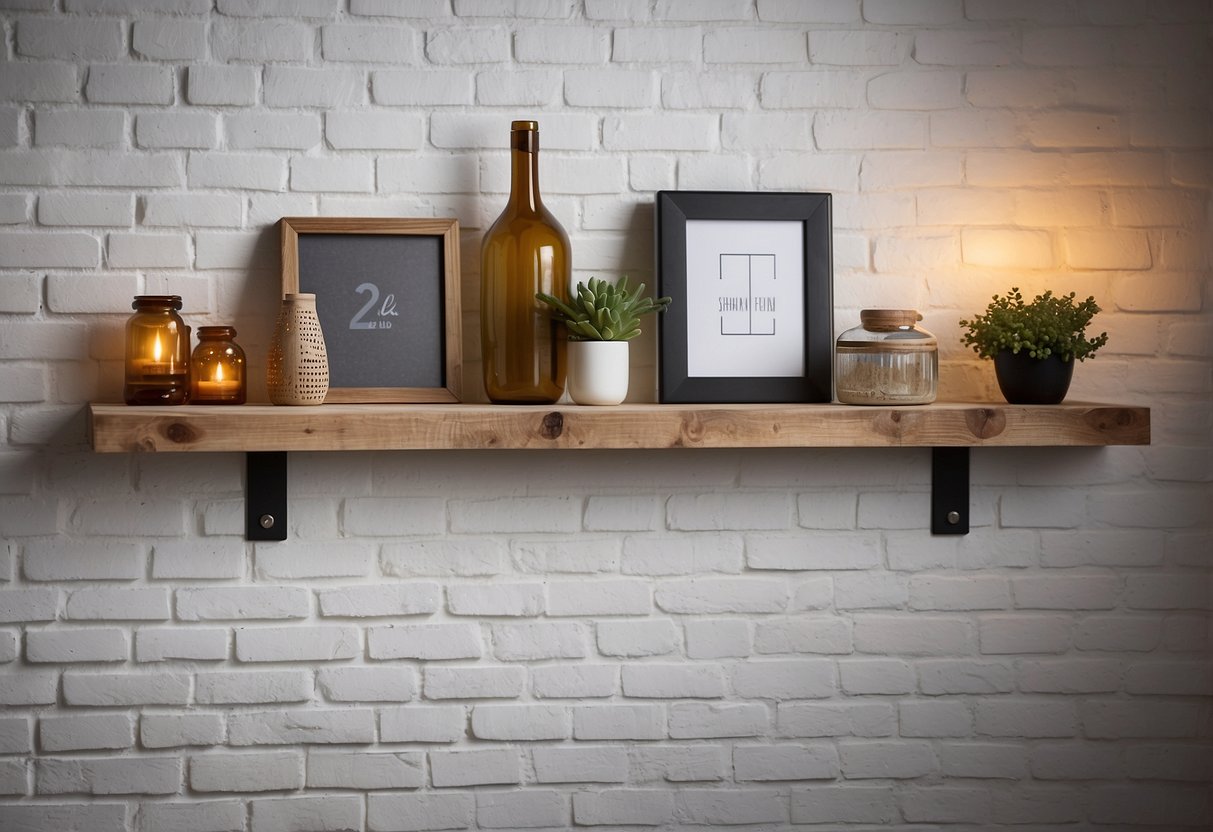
point(683, 640)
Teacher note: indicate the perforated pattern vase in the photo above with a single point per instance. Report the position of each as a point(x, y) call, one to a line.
point(298, 369)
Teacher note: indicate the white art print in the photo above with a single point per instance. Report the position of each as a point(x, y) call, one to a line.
point(745, 298)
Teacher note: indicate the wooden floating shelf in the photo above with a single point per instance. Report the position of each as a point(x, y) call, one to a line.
point(117, 428)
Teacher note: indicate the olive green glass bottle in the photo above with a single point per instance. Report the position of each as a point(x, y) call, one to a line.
point(524, 252)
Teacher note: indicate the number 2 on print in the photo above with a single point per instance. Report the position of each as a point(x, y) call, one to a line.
point(388, 308)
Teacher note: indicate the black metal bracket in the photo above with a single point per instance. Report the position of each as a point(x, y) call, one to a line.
point(265, 499)
point(949, 491)
point(265, 495)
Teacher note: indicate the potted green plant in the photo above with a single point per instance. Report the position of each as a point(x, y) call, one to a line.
point(1034, 345)
point(601, 318)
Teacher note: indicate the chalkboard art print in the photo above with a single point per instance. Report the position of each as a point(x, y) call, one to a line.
point(387, 295)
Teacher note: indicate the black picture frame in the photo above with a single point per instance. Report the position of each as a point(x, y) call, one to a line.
point(674, 210)
point(388, 298)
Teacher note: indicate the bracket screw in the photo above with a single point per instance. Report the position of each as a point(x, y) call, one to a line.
point(953, 518)
point(267, 521)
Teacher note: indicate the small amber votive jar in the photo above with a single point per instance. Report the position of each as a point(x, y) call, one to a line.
point(157, 352)
point(217, 369)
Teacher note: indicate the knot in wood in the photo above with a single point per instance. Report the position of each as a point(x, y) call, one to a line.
point(986, 423)
point(180, 434)
point(553, 425)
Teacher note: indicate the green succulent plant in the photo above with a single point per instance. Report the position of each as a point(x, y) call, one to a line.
point(602, 311)
point(1049, 325)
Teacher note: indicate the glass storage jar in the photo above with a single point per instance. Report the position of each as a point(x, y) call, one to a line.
point(157, 352)
point(887, 359)
point(217, 368)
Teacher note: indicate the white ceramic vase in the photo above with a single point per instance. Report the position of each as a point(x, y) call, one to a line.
point(598, 371)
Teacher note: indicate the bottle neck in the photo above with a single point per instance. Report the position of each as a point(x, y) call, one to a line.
point(524, 171)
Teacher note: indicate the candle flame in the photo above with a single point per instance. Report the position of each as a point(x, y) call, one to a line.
point(156, 349)
point(218, 372)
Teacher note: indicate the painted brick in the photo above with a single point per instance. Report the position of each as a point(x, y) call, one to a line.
point(423, 723)
point(522, 514)
point(87, 40)
point(15, 735)
point(118, 604)
point(438, 558)
point(164, 644)
point(28, 605)
point(669, 681)
point(360, 770)
point(105, 775)
point(292, 644)
point(117, 689)
point(87, 732)
point(425, 641)
point(679, 763)
point(602, 597)
point(721, 595)
point(536, 641)
point(361, 43)
point(68, 817)
point(714, 720)
point(474, 682)
point(35, 688)
point(251, 772)
point(467, 45)
point(844, 804)
point(495, 600)
point(585, 764)
point(515, 810)
point(173, 40)
point(422, 87)
point(95, 128)
point(618, 722)
point(869, 719)
point(520, 722)
point(934, 719)
point(222, 85)
point(123, 84)
point(656, 45)
point(239, 603)
point(410, 813)
point(20, 249)
point(284, 814)
point(682, 555)
point(575, 682)
point(1026, 718)
point(857, 48)
point(345, 726)
point(784, 679)
point(475, 768)
point(645, 807)
point(252, 687)
point(178, 730)
point(77, 645)
point(863, 759)
point(261, 41)
point(367, 684)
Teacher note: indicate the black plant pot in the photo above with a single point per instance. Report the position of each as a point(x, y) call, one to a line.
point(1027, 380)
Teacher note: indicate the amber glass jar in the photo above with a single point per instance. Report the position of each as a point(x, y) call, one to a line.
point(157, 352)
point(887, 359)
point(217, 368)
point(524, 252)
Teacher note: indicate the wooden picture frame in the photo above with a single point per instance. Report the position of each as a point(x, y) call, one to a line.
point(751, 277)
point(388, 298)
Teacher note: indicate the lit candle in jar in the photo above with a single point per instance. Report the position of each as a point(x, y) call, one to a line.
point(218, 367)
point(217, 387)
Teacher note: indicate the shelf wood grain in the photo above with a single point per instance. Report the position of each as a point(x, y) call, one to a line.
point(117, 428)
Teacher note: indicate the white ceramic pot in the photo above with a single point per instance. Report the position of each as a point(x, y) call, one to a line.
point(598, 371)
